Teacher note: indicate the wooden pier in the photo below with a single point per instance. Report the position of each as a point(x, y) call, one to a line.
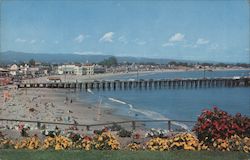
point(151, 83)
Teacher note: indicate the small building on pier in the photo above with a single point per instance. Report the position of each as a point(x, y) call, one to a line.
point(54, 79)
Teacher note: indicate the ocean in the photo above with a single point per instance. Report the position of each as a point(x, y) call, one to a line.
point(172, 103)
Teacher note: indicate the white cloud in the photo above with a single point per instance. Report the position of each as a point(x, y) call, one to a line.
point(20, 40)
point(107, 37)
point(80, 38)
point(32, 41)
point(123, 39)
point(177, 37)
point(201, 41)
point(167, 44)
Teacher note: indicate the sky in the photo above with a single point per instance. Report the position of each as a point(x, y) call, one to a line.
point(183, 29)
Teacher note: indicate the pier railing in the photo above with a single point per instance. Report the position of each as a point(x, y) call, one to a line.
point(133, 123)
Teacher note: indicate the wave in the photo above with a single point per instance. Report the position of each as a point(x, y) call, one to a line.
point(157, 116)
point(148, 113)
point(130, 106)
point(116, 100)
point(90, 91)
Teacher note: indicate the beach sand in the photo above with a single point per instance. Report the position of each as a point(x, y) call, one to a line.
point(51, 105)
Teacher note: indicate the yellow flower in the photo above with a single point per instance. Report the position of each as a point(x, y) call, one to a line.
point(100, 138)
point(246, 149)
point(58, 147)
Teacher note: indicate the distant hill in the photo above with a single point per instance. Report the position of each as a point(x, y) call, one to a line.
point(15, 57)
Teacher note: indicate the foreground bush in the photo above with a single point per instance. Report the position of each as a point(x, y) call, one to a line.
point(235, 143)
point(217, 124)
point(57, 142)
point(28, 143)
point(134, 146)
point(186, 141)
point(106, 141)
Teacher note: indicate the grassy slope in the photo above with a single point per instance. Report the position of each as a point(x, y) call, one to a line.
point(8, 154)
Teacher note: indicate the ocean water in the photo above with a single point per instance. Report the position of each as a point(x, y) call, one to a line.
point(168, 103)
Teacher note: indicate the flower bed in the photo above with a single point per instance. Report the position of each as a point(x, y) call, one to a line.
point(28, 143)
point(106, 141)
point(214, 130)
point(134, 146)
point(186, 141)
point(217, 124)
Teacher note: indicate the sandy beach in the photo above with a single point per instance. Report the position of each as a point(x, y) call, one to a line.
point(51, 105)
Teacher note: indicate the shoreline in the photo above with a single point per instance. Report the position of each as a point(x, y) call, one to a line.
point(82, 78)
point(49, 105)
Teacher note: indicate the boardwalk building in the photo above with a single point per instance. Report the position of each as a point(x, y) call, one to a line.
point(70, 69)
point(88, 69)
point(14, 69)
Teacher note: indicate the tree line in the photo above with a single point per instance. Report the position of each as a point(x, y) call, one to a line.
point(113, 62)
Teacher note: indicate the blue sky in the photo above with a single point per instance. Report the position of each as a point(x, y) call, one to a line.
point(191, 30)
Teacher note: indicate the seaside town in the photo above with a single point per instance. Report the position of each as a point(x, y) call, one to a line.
point(13, 73)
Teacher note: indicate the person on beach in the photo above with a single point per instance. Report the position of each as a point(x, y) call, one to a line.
point(66, 100)
point(75, 123)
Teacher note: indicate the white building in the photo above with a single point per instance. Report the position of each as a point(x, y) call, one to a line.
point(14, 69)
point(70, 69)
point(24, 69)
point(88, 69)
point(33, 70)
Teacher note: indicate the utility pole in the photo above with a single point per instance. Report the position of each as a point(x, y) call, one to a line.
point(137, 74)
point(204, 72)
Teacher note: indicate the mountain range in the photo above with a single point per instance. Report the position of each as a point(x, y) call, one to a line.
point(8, 57)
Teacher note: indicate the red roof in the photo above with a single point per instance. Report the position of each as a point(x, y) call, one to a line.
point(54, 78)
point(88, 64)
